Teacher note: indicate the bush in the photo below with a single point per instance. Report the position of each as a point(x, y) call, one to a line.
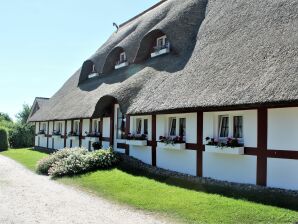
point(3, 139)
point(22, 135)
point(75, 161)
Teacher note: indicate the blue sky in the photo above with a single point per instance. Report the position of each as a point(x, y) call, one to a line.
point(43, 42)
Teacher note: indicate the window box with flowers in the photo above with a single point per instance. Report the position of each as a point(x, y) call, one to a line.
point(229, 146)
point(162, 47)
point(73, 136)
point(41, 133)
point(136, 140)
point(93, 136)
point(174, 143)
point(56, 134)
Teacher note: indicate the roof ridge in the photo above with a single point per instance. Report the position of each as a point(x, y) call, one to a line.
point(142, 13)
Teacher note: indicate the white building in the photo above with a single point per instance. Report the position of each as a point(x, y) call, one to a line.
point(198, 71)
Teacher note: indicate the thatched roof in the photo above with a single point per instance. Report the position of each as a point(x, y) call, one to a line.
point(224, 53)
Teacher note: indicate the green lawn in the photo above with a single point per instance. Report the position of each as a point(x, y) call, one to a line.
point(27, 157)
point(152, 195)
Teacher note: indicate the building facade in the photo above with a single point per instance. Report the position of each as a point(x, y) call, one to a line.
point(178, 89)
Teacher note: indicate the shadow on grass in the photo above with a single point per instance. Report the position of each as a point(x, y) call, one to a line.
point(262, 195)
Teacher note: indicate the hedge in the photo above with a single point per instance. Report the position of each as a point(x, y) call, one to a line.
point(3, 139)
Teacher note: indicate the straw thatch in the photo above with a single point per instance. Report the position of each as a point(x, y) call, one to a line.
point(224, 53)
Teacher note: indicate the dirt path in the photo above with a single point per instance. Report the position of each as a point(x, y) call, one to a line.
point(29, 198)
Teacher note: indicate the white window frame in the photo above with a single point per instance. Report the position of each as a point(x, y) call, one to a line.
point(142, 120)
point(220, 118)
point(231, 126)
point(163, 38)
point(95, 126)
point(76, 127)
point(44, 127)
point(177, 126)
point(59, 127)
point(124, 57)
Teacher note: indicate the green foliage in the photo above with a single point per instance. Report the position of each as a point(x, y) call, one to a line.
point(23, 115)
point(22, 135)
point(3, 139)
point(5, 117)
point(75, 161)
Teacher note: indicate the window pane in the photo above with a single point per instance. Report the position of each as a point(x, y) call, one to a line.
point(238, 127)
point(146, 126)
point(172, 123)
point(224, 127)
point(139, 126)
point(121, 124)
point(182, 127)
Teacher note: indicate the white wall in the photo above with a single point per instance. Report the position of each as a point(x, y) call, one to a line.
point(106, 127)
point(183, 161)
point(283, 129)
point(143, 153)
point(233, 168)
point(36, 143)
point(282, 173)
point(58, 143)
point(43, 141)
point(211, 121)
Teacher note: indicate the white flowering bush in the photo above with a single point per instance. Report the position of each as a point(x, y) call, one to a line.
point(76, 161)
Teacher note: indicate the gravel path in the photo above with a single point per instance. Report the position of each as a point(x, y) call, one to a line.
point(29, 198)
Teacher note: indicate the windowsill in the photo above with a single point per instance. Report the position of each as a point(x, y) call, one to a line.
point(123, 141)
point(124, 64)
point(224, 150)
point(160, 52)
point(93, 75)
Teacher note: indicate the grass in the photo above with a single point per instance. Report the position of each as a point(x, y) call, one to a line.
point(27, 157)
point(152, 195)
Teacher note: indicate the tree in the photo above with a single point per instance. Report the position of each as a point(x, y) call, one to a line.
point(23, 115)
point(5, 117)
point(22, 134)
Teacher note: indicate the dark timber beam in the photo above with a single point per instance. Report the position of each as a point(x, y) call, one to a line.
point(65, 133)
point(262, 146)
point(154, 143)
point(127, 131)
point(80, 131)
point(200, 144)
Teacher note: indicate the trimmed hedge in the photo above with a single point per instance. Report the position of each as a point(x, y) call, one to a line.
point(3, 139)
point(76, 161)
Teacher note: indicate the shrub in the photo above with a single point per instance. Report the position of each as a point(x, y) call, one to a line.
point(96, 145)
point(22, 135)
point(3, 139)
point(76, 161)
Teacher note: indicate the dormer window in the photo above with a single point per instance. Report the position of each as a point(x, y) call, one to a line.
point(122, 61)
point(93, 72)
point(162, 46)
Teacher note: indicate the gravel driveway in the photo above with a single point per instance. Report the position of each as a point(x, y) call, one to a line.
point(29, 198)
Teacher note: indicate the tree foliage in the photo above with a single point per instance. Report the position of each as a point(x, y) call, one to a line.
point(3, 139)
point(20, 134)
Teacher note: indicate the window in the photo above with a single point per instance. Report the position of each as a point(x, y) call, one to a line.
point(182, 127)
point(223, 126)
point(146, 126)
point(44, 126)
point(93, 69)
point(95, 126)
point(238, 127)
point(172, 126)
point(122, 58)
point(76, 127)
point(162, 42)
point(138, 126)
point(121, 124)
point(59, 127)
